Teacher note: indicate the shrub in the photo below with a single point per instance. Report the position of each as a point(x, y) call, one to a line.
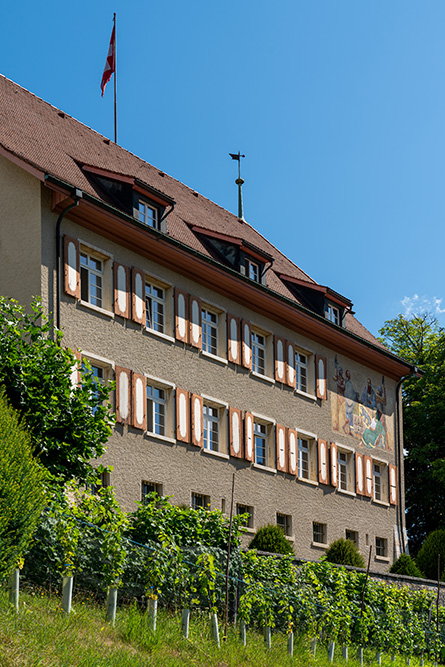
point(405, 565)
point(22, 484)
point(344, 552)
point(271, 538)
point(430, 549)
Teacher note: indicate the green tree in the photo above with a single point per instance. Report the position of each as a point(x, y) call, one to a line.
point(421, 341)
point(427, 558)
point(68, 427)
point(22, 484)
point(272, 539)
point(344, 552)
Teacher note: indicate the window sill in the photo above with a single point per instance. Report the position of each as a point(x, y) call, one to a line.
point(319, 545)
point(265, 468)
point(161, 438)
point(211, 452)
point(346, 492)
point(102, 311)
point(305, 394)
point(247, 529)
point(384, 559)
point(290, 538)
point(159, 334)
point(307, 481)
point(220, 360)
point(380, 502)
point(260, 376)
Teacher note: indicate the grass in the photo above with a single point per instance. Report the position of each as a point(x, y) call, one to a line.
point(40, 635)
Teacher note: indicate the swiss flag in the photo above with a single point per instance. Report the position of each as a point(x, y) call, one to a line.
point(110, 63)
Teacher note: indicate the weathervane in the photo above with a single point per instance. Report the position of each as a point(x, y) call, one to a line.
point(239, 181)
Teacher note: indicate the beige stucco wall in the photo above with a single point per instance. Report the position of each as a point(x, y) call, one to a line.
point(19, 233)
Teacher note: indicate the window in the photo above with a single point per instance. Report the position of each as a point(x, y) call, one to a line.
point(155, 307)
point(260, 437)
point(160, 408)
point(380, 481)
point(245, 509)
point(258, 353)
point(345, 470)
point(333, 314)
point(200, 500)
point(104, 480)
point(252, 270)
point(150, 487)
point(91, 279)
point(352, 535)
point(301, 371)
point(381, 547)
point(209, 328)
point(377, 482)
point(303, 458)
point(148, 214)
point(284, 521)
point(319, 533)
point(101, 370)
point(211, 427)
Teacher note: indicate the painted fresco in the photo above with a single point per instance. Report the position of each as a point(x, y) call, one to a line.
point(360, 409)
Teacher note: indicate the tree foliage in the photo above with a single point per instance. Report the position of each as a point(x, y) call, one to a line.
point(68, 427)
point(22, 484)
point(427, 558)
point(344, 552)
point(271, 538)
point(421, 341)
point(405, 565)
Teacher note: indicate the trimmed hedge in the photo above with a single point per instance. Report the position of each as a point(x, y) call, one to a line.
point(271, 538)
point(344, 552)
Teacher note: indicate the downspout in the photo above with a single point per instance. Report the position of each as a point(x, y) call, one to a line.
point(77, 195)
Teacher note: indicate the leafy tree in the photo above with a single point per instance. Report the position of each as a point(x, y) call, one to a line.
point(271, 538)
point(433, 547)
point(421, 341)
point(68, 427)
point(344, 552)
point(22, 484)
point(405, 565)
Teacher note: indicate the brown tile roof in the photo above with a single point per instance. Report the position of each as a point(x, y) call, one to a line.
point(57, 144)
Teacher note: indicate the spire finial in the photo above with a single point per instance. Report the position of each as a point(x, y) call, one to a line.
point(239, 181)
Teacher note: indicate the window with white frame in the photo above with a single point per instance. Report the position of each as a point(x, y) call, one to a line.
point(345, 467)
point(209, 329)
point(253, 270)
point(91, 279)
point(319, 533)
point(211, 427)
point(333, 314)
point(260, 438)
point(307, 458)
point(148, 214)
point(160, 408)
point(101, 372)
point(301, 371)
point(258, 344)
point(284, 521)
point(149, 488)
point(154, 307)
point(200, 500)
point(380, 481)
point(245, 509)
point(381, 547)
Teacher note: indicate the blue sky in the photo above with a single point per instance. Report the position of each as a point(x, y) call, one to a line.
point(338, 106)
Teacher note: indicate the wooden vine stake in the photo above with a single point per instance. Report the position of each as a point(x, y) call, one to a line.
point(67, 594)
point(14, 583)
point(437, 606)
point(228, 561)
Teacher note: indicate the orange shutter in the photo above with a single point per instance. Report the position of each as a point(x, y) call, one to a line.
point(137, 295)
point(195, 330)
point(71, 266)
point(393, 495)
point(292, 440)
point(280, 367)
point(197, 417)
point(121, 276)
point(235, 433)
point(321, 374)
point(139, 401)
point(359, 475)
point(368, 476)
point(233, 339)
point(123, 395)
point(249, 440)
point(182, 415)
point(181, 316)
point(290, 364)
point(334, 465)
point(322, 461)
point(246, 332)
point(281, 445)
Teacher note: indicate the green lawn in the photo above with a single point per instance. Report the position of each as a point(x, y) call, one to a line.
point(40, 635)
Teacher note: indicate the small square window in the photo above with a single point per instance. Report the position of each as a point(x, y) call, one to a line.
point(148, 488)
point(200, 500)
point(284, 521)
point(381, 547)
point(319, 532)
point(148, 215)
point(352, 535)
point(245, 509)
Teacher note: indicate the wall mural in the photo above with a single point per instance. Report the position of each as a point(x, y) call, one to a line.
point(359, 408)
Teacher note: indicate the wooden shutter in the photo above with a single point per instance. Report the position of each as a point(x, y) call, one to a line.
point(393, 495)
point(368, 476)
point(235, 431)
point(195, 329)
point(249, 440)
point(320, 370)
point(359, 475)
point(139, 404)
point(290, 364)
point(121, 276)
point(123, 395)
point(292, 438)
point(181, 316)
point(76, 369)
point(246, 332)
point(182, 415)
point(281, 444)
point(71, 266)
point(137, 295)
point(233, 339)
point(197, 426)
point(280, 368)
point(322, 461)
point(334, 465)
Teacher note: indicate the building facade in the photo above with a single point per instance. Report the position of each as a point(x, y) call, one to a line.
point(227, 357)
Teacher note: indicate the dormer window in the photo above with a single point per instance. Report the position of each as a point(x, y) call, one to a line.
point(252, 270)
point(148, 215)
point(333, 314)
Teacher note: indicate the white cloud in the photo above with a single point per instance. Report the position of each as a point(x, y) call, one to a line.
point(416, 305)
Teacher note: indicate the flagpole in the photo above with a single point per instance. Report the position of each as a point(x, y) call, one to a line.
point(115, 83)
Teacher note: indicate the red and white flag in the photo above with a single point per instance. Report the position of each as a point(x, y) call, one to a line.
point(110, 63)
